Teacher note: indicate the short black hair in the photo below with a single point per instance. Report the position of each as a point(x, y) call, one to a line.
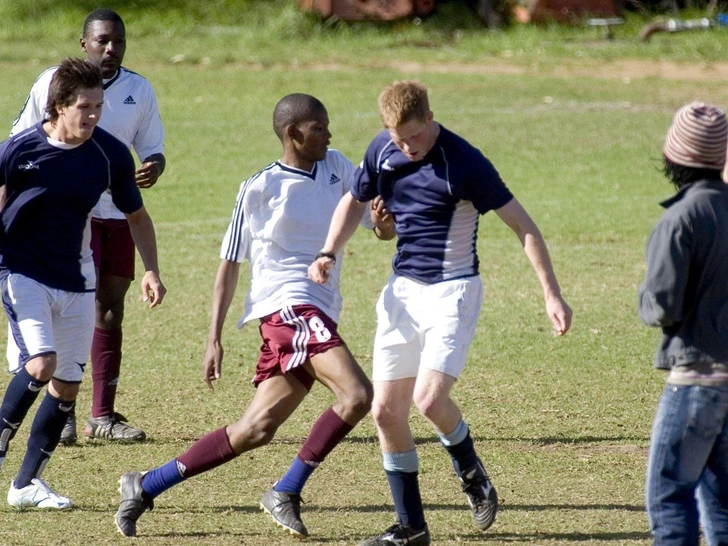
point(294, 108)
point(73, 76)
point(680, 175)
point(101, 14)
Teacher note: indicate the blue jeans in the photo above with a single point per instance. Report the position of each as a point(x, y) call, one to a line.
point(713, 516)
point(689, 435)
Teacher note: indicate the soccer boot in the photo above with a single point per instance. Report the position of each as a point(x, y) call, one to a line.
point(133, 503)
point(400, 535)
point(112, 427)
point(285, 509)
point(69, 435)
point(37, 494)
point(482, 496)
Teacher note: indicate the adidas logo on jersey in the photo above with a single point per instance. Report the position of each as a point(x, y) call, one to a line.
point(386, 166)
point(334, 180)
point(129, 100)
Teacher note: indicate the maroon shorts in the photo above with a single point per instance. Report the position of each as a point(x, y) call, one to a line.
point(290, 337)
point(112, 247)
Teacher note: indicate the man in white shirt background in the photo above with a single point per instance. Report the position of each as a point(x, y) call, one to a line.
point(131, 114)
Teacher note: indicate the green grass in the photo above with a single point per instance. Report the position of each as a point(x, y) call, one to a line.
point(561, 423)
point(274, 32)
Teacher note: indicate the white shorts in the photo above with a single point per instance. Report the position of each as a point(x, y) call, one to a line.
point(425, 325)
point(43, 320)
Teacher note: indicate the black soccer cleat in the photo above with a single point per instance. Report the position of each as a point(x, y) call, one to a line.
point(133, 503)
point(285, 509)
point(400, 535)
point(482, 496)
point(69, 436)
point(112, 427)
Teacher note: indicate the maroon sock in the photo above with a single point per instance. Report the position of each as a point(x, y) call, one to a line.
point(328, 430)
point(105, 365)
point(208, 452)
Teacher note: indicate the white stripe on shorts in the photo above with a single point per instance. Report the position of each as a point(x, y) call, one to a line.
point(300, 339)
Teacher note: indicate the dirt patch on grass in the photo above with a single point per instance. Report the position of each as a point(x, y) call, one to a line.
point(617, 69)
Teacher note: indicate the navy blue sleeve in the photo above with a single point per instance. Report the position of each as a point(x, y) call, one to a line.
point(124, 191)
point(484, 186)
point(364, 181)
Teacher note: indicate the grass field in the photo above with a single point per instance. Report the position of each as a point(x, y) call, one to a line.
point(562, 424)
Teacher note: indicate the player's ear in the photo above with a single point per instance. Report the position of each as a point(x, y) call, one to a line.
point(293, 132)
point(82, 41)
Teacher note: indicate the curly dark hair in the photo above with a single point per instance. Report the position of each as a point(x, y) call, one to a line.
point(680, 175)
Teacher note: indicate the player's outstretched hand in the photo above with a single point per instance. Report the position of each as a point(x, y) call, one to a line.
point(560, 314)
point(212, 365)
point(153, 290)
point(319, 270)
point(147, 174)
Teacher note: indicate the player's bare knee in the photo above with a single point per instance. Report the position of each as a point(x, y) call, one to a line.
point(355, 404)
point(429, 404)
point(63, 390)
point(362, 396)
point(42, 368)
point(109, 317)
point(383, 416)
point(245, 435)
point(366, 399)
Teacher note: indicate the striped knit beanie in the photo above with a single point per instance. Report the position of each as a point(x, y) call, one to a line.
point(697, 137)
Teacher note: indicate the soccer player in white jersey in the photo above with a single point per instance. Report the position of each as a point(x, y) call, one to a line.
point(279, 224)
point(435, 185)
point(131, 114)
point(54, 173)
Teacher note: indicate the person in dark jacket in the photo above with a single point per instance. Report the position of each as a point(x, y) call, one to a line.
point(685, 293)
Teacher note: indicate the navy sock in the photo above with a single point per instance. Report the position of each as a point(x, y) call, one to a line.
point(20, 395)
point(44, 437)
point(462, 454)
point(405, 489)
point(295, 478)
point(157, 481)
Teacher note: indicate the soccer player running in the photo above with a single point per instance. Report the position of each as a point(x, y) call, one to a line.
point(685, 294)
point(131, 114)
point(434, 184)
point(54, 174)
point(279, 223)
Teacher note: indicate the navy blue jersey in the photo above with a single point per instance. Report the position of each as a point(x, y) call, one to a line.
point(51, 190)
point(436, 203)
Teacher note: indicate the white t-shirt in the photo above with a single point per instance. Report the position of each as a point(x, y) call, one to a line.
point(280, 222)
point(130, 113)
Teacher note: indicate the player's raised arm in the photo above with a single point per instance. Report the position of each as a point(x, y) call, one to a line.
point(226, 282)
point(346, 219)
point(516, 217)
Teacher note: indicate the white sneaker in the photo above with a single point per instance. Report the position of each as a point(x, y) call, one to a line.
point(37, 495)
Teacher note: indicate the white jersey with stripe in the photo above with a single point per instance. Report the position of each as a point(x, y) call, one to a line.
point(130, 113)
point(279, 224)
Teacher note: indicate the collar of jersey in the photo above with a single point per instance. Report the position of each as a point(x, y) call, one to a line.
point(311, 175)
point(115, 77)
